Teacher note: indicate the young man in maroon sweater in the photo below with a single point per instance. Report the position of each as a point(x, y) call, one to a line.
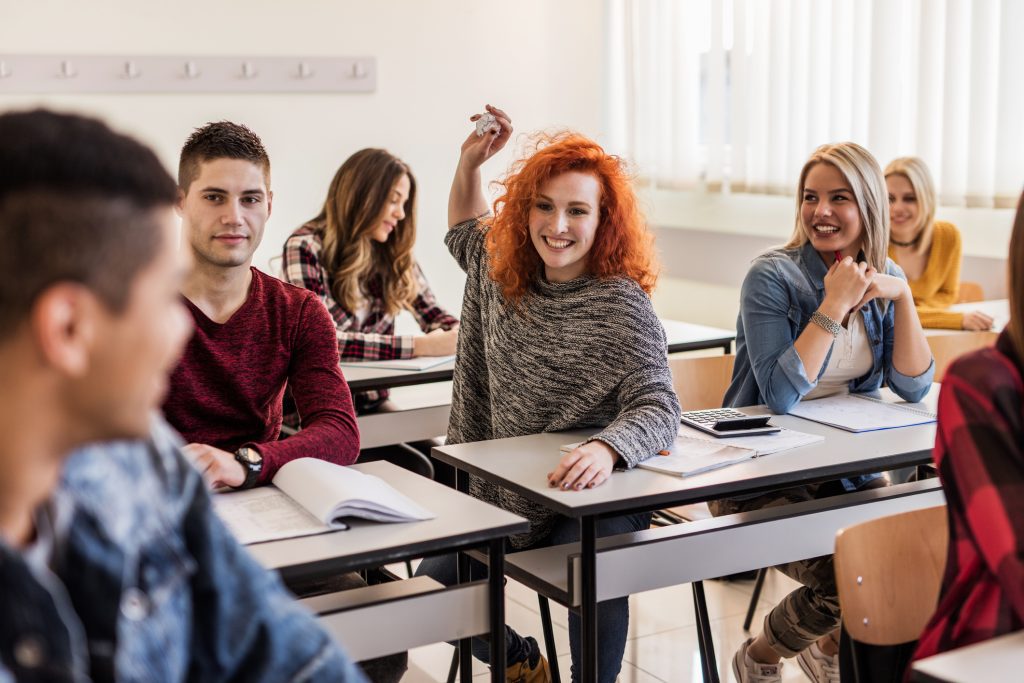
point(254, 335)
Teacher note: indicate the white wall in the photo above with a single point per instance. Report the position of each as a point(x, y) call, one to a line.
point(438, 62)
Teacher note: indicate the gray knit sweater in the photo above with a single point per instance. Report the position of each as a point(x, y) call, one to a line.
point(584, 353)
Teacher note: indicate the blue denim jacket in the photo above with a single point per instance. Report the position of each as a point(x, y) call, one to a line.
point(781, 291)
point(148, 585)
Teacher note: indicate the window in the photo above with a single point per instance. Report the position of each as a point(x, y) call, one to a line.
point(734, 95)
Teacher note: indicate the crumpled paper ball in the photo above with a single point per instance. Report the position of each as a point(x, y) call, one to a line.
point(486, 123)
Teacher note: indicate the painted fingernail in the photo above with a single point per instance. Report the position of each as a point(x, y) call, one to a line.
point(579, 486)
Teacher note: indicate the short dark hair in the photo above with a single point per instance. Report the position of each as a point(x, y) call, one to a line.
point(220, 140)
point(77, 203)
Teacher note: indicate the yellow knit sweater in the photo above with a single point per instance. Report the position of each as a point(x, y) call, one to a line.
point(937, 288)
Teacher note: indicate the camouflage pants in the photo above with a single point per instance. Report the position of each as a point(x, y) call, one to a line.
point(812, 610)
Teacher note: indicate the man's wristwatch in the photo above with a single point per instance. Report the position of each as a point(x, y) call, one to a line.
point(252, 463)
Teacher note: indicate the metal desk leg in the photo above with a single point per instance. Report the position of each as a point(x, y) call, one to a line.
point(588, 606)
point(466, 644)
point(496, 607)
point(704, 637)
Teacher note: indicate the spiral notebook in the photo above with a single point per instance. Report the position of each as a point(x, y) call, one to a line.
point(862, 413)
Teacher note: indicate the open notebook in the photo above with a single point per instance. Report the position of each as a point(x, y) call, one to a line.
point(694, 452)
point(862, 413)
point(312, 496)
point(418, 363)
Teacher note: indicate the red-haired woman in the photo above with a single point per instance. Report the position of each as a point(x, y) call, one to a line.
point(558, 332)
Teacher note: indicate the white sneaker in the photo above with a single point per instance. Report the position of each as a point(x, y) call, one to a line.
point(747, 670)
point(818, 666)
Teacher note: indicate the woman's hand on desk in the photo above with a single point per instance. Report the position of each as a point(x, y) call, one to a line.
point(976, 320)
point(219, 468)
point(436, 343)
point(587, 466)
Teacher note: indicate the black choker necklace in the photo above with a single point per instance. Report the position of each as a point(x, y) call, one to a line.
point(907, 244)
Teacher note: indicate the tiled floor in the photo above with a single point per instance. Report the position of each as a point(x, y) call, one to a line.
point(662, 643)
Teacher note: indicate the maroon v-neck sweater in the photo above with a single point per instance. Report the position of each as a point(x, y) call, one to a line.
point(227, 389)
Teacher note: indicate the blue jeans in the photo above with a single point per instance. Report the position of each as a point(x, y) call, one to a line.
point(612, 615)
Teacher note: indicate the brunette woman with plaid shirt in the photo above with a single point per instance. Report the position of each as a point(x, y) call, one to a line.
point(356, 255)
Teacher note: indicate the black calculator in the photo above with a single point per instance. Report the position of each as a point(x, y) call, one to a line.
point(728, 422)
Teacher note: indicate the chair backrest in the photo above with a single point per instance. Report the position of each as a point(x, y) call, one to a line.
point(888, 572)
point(948, 347)
point(970, 291)
point(700, 382)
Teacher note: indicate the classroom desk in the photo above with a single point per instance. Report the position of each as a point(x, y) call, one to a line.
point(999, 309)
point(522, 463)
point(999, 660)
point(679, 335)
point(367, 379)
point(459, 612)
point(412, 413)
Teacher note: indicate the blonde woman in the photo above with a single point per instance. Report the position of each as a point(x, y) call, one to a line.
point(827, 313)
point(928, 250)
point(357, 256)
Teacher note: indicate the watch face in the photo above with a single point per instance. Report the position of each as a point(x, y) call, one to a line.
point(250, 455)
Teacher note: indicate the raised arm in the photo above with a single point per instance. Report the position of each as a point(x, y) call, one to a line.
point(466, 199)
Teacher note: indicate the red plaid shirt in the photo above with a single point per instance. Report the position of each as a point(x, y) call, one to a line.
point(371, 337)
point(979, 451)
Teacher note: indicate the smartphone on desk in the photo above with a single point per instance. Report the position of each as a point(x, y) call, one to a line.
point(724, 422)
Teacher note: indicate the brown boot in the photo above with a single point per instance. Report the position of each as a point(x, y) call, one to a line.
point(522, 672)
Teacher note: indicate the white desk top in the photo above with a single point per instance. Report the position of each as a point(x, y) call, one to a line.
point(679, 335)
point(460, 519)
point(994, 661)
point(522, 463)
point(682, 336)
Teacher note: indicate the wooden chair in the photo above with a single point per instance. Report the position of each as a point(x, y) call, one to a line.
point(970, 291)
point(948, 347)
point(888, 573)
point(700, 382)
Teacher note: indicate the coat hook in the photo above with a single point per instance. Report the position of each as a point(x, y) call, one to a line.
point(248, 70)
point(67, 69)
point(191, 70)
point(130, 70)
point(305, 71)
point(358, 71)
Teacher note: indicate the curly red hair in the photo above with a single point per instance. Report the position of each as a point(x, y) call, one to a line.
point(623, 246)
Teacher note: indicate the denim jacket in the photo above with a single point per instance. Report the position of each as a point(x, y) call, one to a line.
point(781, 291)
point(146, 584)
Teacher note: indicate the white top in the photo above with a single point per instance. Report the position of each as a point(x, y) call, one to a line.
point(851, 358)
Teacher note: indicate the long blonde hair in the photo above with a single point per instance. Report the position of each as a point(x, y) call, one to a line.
point(862, 172)
point(357, 196)
point(920, 179)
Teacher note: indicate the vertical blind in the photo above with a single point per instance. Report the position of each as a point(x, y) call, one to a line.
point(735, 94)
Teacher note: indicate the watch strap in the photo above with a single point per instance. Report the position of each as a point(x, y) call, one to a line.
point(252, 469)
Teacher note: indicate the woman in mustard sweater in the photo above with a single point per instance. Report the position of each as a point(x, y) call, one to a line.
point(928, 250)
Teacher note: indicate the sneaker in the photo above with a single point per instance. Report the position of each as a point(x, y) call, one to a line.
point(747, 670)
point(532, 670)
point(818, 666)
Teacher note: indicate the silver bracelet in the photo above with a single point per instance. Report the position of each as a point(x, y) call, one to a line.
point(826, 323)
